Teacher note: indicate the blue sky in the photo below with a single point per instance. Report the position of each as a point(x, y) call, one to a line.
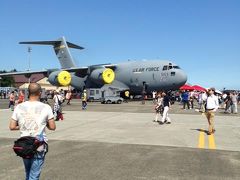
point(202, 37)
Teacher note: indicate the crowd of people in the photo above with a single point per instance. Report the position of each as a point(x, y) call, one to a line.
point(208, 103)
point(15, 98)
point(228, 100)
point(58, 96)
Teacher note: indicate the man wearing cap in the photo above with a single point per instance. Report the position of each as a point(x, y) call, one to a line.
point(211, 107)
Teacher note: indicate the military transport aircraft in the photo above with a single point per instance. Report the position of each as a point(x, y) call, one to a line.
point(134, 76)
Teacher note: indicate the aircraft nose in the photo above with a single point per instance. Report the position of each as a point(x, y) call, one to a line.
point(182, 77)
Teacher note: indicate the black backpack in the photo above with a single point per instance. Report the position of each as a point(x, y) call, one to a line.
point(26, 147)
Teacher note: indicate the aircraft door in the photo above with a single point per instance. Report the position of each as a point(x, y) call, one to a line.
point(135, 78)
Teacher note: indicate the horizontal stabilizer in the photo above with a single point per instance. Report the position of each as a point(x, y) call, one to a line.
point(54, 43)
point(61, 48)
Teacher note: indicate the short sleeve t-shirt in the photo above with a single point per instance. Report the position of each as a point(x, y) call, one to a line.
point(166, 101)
point(32, 118)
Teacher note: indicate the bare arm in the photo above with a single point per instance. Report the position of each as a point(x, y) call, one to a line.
point(51, 124)
point(13, 125)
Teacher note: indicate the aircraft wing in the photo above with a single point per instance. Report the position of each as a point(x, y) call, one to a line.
point(24, 73)
point(79, 70)
point(46, 72)
point(75, 69)
point(111, 66)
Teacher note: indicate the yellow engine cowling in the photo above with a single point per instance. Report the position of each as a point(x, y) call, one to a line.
point(64, 78)
point(103, 76)
point(108, 76)
point(60, 78)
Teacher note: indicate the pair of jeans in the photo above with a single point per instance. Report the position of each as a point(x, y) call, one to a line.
point(185, 102)
point(84, 104)
point(34, 165)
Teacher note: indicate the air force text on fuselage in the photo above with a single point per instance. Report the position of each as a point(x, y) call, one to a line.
point(149, 69)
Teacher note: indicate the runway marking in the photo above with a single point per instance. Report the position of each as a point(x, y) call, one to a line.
point(211, 142)
point(201, 140)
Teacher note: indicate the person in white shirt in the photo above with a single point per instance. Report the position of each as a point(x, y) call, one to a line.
point(233, 96)
point(200, 100)
point(159, 106)
point(211, 107)
point(57, 106)
point(31, 118)
point(154, 93)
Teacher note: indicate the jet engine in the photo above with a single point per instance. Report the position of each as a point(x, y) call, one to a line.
point(102, 76)
point(60, 78)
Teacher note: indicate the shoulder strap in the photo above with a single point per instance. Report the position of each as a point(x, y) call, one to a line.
point(58, 99)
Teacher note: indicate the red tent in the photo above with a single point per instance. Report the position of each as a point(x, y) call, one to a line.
point(186, 87)
point(198, 88)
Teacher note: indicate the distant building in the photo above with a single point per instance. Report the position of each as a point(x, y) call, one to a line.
point(22, 82)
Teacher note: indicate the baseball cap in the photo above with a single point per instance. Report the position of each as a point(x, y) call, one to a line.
point(212, 88)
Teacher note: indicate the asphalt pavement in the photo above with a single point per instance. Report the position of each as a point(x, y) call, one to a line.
point(121, 141)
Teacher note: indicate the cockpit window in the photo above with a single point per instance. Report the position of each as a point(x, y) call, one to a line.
point(176, 67)
point(165, 68)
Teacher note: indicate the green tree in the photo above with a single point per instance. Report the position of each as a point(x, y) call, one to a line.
point(7, 81)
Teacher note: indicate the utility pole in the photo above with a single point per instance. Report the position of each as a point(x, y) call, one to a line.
point(29, 62)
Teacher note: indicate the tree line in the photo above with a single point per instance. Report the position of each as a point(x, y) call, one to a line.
point(7, 81)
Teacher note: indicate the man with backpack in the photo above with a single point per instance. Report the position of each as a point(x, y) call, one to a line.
point(31, 118)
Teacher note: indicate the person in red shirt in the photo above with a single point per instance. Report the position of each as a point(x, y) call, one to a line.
point(68, 97)
point(21, 97)
point(11, 100)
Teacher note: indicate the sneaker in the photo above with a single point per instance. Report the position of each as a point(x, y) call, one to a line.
point(209, 133)
point(168, 122)
point(160, 122)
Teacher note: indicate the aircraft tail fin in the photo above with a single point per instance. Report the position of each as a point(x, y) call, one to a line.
point(61, 48)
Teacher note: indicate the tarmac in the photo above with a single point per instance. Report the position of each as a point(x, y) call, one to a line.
point(121, 142)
